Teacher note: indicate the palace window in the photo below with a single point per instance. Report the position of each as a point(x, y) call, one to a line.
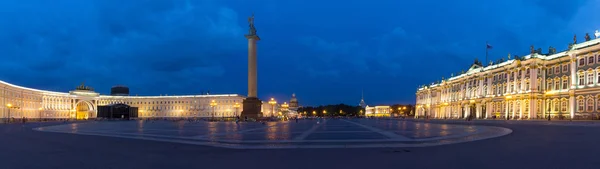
point(581, 61)
point(581, 79)
point(557, 69)
point(484, 90)
point(512, 86)
point(556, 84)
point(549, 86)
point(590, 78)
point(565, 68)
point(590, 105)
point(526, 106)
point(518, 85)
point(549, 71)
point(598, 61)
point(580, 105)
point(597, 104)
point(556, 106)
point(598, 76)
point(591, 60)
point(526, 85)
point(563, 106)
point(565, 84)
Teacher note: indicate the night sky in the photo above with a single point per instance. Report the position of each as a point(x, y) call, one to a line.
point(325, 51)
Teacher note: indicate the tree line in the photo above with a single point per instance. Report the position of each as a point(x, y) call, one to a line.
point(348, 110)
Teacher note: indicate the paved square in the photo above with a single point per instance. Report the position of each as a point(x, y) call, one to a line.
point(320, 133)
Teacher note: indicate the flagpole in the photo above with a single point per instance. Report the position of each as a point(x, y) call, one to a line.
point(486, 52)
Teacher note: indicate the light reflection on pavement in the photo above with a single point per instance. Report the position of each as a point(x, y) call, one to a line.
point(330, 133)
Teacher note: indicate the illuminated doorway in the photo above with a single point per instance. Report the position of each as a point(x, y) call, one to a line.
point(83, 110)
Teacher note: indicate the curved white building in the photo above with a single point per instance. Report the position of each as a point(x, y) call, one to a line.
point(21, 102)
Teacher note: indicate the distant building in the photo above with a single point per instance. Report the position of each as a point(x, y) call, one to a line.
point(362, 101)
point(119, 91)
point(377, 111)
point(293, 102)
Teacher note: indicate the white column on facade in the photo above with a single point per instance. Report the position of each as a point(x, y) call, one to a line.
point(507, 82)
point(477, 110)
point(488, 109)
point(573, 85)
point(532, 108)
point(467, 110)
point(533, 79)
point(516, 73)
point(523, 73)
point(521, 108)
point(489, 84)
point(506, 109)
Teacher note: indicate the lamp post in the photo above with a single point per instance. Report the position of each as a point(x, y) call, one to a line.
point(285, 106)
point(10, 106)
point(236, 106)
point(272, 102)
point(213, 103)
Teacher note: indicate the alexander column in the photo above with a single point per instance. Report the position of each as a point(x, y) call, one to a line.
point(252, 104)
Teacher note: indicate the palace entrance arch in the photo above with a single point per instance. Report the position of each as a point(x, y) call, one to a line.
point(84, 110)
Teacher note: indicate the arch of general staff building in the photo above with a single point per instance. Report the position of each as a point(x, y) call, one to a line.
point(21, 102)
point(563, 85)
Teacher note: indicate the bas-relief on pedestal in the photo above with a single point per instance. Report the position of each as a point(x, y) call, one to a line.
point(252, 105)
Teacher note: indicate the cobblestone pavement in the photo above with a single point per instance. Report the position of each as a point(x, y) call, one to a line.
point(527, 147)
point(333, 133)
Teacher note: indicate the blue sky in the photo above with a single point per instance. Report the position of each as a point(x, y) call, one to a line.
point(325, 51)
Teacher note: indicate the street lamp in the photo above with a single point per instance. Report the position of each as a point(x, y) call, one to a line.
point(272, 102)
point(285, 105)
point(10, 106)
point(213, 103)
point(236, 106)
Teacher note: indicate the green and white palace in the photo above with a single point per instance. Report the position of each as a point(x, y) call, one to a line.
point(557, 85)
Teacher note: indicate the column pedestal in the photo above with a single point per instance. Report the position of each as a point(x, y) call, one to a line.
point(251, 109)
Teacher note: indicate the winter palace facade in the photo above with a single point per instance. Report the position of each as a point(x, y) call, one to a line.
point(82, 103)
point(563, 85)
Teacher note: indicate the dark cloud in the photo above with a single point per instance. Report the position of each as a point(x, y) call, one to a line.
point(325, 53)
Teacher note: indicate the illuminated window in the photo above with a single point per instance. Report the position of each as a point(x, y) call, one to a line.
point(563, 106)
point(580, 105)
point(549, 86)
point(556, 105)
point(597, 104)
point(590, 105)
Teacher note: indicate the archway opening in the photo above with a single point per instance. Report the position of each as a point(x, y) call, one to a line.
point(82, 111)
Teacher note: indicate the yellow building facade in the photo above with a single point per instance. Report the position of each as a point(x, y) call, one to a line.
point(21, 102)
